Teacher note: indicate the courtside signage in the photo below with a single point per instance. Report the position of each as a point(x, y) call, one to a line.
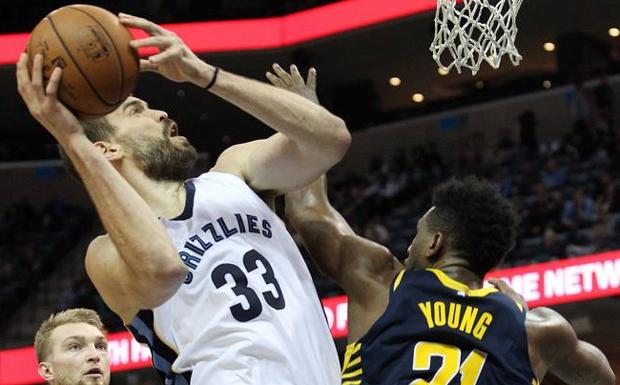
point(567, 280)
point(550, 283)
point(336, 314)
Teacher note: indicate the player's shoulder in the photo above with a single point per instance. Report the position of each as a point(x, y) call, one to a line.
point(549, 331)
point(544, 317)
point(232, 160)
point(99, 247)
point(99, 242)
point(99, 254)
point(369, 259)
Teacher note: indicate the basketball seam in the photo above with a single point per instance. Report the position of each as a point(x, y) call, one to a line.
point(30, 55)
point(116, 51)
point(76, 64)
point(29, 49)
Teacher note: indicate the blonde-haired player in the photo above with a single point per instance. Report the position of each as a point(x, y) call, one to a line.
point(72, 349)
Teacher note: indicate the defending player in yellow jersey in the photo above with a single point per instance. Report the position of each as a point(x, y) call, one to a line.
point(429, 320)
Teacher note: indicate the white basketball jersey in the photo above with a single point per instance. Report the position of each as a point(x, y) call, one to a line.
point(248, 312)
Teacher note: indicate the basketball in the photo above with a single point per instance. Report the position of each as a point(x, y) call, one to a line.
point(100, 69)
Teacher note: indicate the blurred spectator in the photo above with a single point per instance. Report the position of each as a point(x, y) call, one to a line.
point(504, 152)
point(469, 160)
point(579, 211)
point(580, 103)
point(608, 195)
point(527, 132)
point(584, 139)
point(52, 212)
point(603, 101)
point(603, 238)
point(543, 210)
point(528, 176)
point(436, 162)
point(68, 297)
point(552, 247)
point(553, 176)
point(503, 181)
point(614, 152)
point(376, 231)
point(600, 239)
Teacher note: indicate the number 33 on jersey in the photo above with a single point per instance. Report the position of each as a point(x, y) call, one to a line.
point(251, 261)
point(247, 295)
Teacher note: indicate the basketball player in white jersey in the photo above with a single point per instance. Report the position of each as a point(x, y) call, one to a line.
point(202, 270)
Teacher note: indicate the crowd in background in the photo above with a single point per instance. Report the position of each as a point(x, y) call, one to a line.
point(32, 241)
point(565, 191)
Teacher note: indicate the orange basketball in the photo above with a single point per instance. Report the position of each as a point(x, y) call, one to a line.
point(100, 69)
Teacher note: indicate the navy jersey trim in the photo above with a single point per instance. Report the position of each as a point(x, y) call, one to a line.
point(352, 369)
point(163, 356)
point(188, 210)
point(386, 353)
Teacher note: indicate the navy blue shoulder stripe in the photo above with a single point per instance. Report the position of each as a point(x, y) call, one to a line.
point(188, 210)
point(163, 356)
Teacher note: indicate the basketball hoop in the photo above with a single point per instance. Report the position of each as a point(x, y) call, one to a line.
point(477, 31)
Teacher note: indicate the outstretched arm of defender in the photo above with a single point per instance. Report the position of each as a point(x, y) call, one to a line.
point(341, 254)
point(136, 266)
point(310, 139)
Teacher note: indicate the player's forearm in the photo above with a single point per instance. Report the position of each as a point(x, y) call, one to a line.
point(586, 366)
point(597, 369)
point(311, 197)
point(320, 226)
point(322, 239)
point(308, 124)
point(140, 239)
point(311, 203)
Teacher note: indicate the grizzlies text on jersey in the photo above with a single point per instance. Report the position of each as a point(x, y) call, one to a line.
point(248, 312)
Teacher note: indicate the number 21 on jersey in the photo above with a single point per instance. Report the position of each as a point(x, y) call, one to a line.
point(450, 363)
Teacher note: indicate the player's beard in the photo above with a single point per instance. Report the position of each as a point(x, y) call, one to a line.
point(162, 160)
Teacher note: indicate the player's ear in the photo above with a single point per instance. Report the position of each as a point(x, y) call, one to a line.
point(46, 371)
point(112, 151)
point(435, 245)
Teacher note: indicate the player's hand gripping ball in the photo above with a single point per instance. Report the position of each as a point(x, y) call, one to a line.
point(100, 69)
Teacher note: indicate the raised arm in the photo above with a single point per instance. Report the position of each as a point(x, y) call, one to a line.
point(310, 139)
point(146, 269)
point(364, 269)
point(349, 259)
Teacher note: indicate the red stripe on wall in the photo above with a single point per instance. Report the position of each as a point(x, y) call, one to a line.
point(267, 33)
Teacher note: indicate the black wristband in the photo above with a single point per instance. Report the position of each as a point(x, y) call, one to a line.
point(213, 79)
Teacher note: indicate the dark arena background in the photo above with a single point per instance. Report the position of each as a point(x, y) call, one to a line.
point(546, 132)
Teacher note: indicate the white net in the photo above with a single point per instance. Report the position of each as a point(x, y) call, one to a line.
point(477, 30)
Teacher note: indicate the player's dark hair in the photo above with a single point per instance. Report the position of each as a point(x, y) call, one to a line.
point(99, 129)
point(478, 222)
